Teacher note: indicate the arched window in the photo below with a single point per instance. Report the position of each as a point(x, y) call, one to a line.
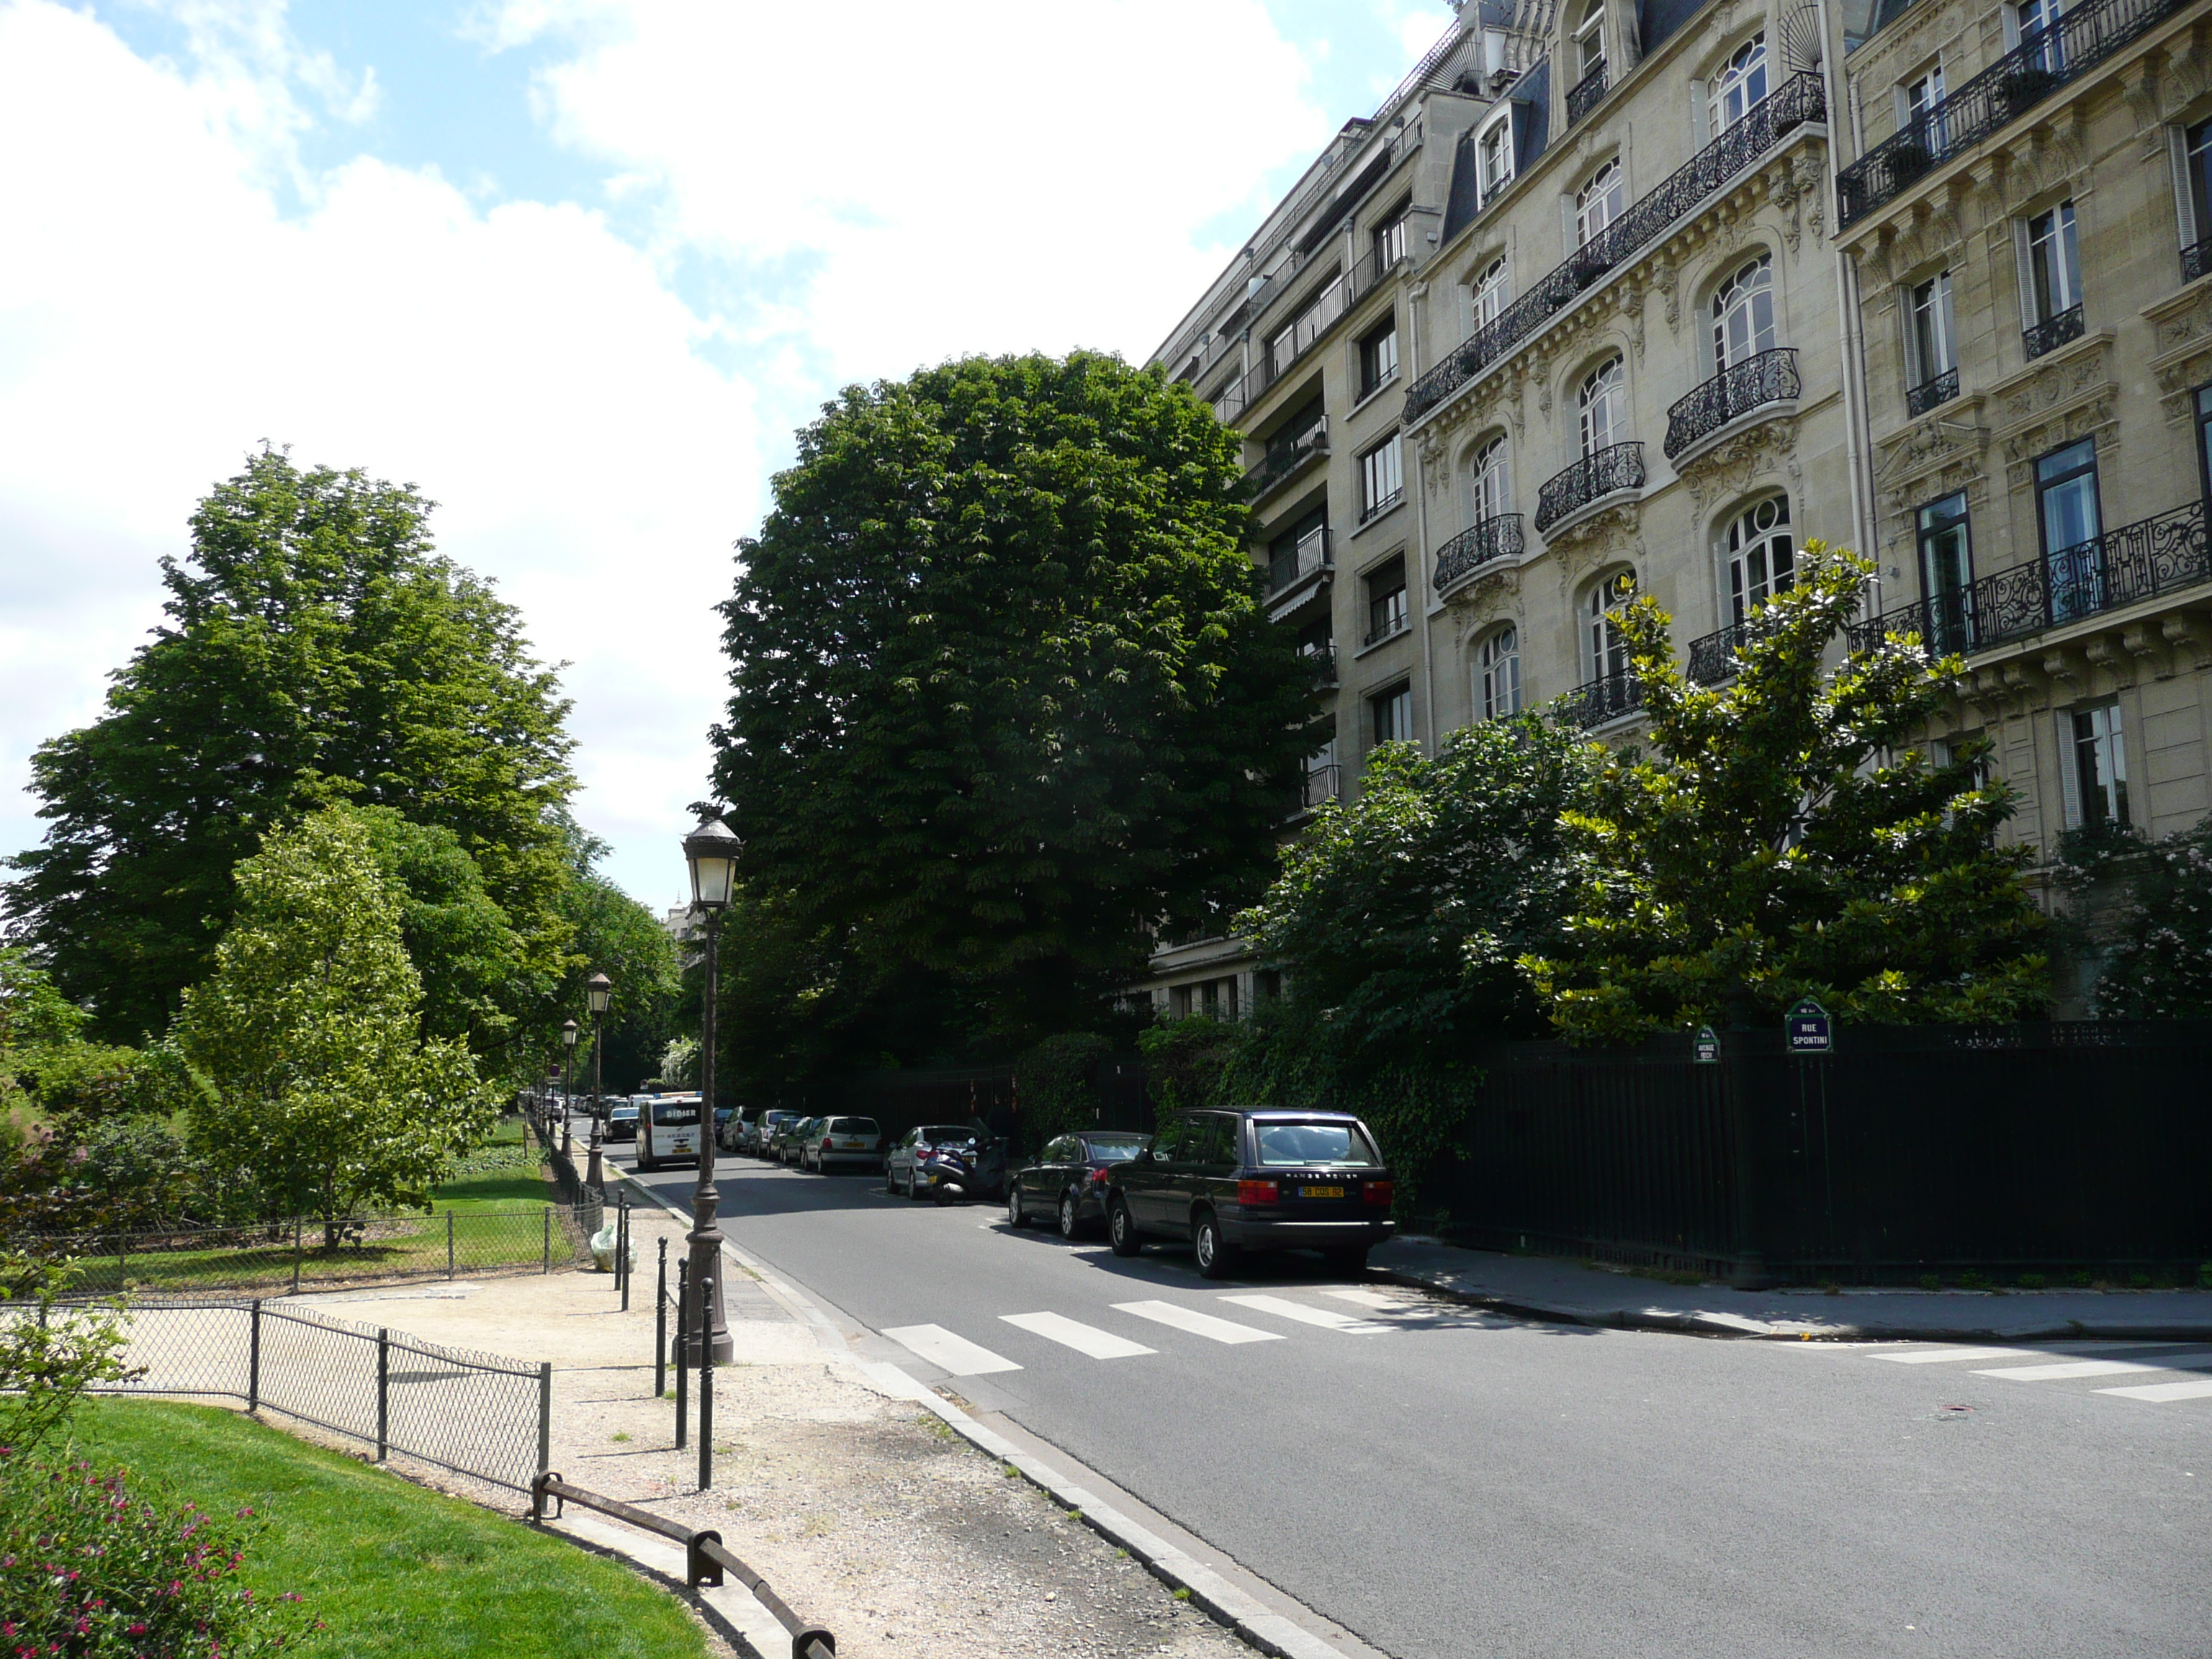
point(1743, 314)
point(1589, 41)
point(1487, 494)
point(1604, 401)
point(1608, 647)
point(1598, 203)
point(1490, 292)
point(1740, 86)
point(1762, 555)
point(1497, 694)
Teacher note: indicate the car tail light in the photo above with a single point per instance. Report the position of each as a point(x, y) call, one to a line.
point(1098, 1178)
point(825, 1142)
point(1257, 1192)
point(1381, 1192)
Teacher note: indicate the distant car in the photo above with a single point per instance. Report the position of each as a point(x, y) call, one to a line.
point(789, 1137)
point(1065, 1183)
point(622, 1121)
point(760, 1135)
point(1230, 1181)
point(842, 1140)
point(909, 1168)
point(726, 1125)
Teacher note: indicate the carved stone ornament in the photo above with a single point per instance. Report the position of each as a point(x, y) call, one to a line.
point(1731, 468)
point(1581, 542)
point(2069, 396)
point(1490, 596)
point(1938, 456)
point(2183, 361)
point(1664, 276)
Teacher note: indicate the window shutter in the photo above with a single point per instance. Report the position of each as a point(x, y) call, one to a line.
point(2069, 770)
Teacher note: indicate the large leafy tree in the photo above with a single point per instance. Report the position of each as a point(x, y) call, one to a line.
point(613, 933)
point(1786, 836)
point(1004, 698)
point(315, 646)
point(311, 1030)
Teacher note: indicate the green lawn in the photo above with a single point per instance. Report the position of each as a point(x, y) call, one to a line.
point(389, 1568)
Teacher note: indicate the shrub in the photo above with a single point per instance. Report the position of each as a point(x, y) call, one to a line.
point(51, 1357)
point(1058, 1093)
point(90, 1570)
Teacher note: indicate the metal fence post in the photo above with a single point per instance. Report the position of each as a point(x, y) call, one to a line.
point(545, 1416)
point(298, 1234)
point(253, 1362)
point(706, 1381)
point(122, 1261)
point(660, 1328)
point(683, 1373)
point(449, 1243)
point(549, 1238)
point(383, 1393)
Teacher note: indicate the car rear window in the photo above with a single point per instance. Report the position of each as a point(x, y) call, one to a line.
point(675, 1114)
point(1314, 1142)
point(935, 1132)
point(1117, 1152)
point(852, 1126)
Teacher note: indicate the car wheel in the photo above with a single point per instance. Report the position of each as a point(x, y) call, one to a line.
point(1217, 1257)
point(1015, 1216)
point(1121, 1230)
point(1350, 1260)
point(911, 1194)
point(1071, 1224)
point(890, 1181)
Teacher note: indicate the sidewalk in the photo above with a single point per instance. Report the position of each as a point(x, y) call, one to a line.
point(1547, 1287)
point(861, 1508)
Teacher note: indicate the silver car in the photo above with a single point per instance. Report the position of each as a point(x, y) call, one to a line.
point(842, 1140)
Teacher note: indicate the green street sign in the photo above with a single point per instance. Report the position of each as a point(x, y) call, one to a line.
point(1707, 1046)
point(1809, 1028)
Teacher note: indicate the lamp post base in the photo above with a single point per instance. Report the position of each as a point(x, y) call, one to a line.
point(594, 1177)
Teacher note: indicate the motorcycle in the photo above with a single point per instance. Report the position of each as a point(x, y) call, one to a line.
point(949, 1173)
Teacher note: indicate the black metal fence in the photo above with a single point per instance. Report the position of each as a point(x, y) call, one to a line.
point(475, 1413)
point(2047, 1148)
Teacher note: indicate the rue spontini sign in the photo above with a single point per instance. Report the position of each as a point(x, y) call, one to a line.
point(1809, 1028)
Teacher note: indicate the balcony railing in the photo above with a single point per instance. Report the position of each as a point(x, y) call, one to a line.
point(2053, 331)
point(1617, 466)
point(1770, 377)
point(2196, 259)
point(1790, 106)
point(1498, 537)
point(2016, 82)
point(1284, 459)
point(1376, 509)
point(2136, 562)
point(1937, 389)
point(1321, 661)
point(1606, 698)
point(1389, 626)
point(1314, 318)
point(1712, 658)
point(1304, 557)
point(1582, 98)
point(1324, 783)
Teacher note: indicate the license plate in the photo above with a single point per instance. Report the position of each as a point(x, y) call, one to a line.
point(1320, 1191)
point(854, 1146)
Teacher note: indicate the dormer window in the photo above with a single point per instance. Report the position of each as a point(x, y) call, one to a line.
point(1495, 150)
point(1589, 41)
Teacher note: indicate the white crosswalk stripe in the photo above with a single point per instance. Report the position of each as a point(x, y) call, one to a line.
point(1074, 1334)
point(1197, 1324)
point(1327, 1318)
point(2066, 1370)
point(955, 1354)
point(2164, 1391)
point(2039, 1362)
point(1371, 1299)
point(1944, 1356)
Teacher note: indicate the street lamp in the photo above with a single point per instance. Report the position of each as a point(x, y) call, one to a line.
point(712, 852)
point(599, 990)
point(567, 1084)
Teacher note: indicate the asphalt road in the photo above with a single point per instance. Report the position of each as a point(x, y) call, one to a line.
point(1449, 1484)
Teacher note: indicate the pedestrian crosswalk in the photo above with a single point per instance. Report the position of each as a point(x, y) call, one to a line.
point(2037, 1364)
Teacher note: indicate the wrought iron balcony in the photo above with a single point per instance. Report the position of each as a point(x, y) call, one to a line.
point(1782, 112)
point(1487, 540)
point(1770, 377)
point(1324, 783)
point(2196, 259)
point(1617, 466)
point(1936, 389)
point(1283, 459)
point(2137, 562)
point(2044, 61)
point(1609, 697)
point(1584, 96)
point(1712, 658)
point(1304, 557)
point(2053, 331)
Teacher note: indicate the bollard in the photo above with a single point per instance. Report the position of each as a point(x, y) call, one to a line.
point(622, 1248)
point(706, 1381)
point(660, 1328)
point(682, 1371)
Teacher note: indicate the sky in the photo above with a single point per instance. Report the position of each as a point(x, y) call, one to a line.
point(578, 269)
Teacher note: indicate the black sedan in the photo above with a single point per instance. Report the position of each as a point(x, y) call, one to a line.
point(1066, 1181)
point(1228, 1181)
point(622, 1121)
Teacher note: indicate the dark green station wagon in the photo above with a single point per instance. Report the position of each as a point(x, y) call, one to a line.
point(1273, 1179)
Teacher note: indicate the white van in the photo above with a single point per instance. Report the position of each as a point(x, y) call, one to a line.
point(668, 1130)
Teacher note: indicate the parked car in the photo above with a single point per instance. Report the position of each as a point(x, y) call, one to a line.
point(914, 1168)
point(622, 1121)
point(726, 1124)
point(1066, 1181)
point(845, 1140)
point(793, 1138)
point(760, 1134)
point(1229, 1182)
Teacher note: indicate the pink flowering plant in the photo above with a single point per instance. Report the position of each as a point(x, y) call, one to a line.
point(89, 1570)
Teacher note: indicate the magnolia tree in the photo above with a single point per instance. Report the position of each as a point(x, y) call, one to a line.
point(310, 1032)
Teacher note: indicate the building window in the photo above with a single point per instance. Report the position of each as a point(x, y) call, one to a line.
point(1599, 203)
point(1490, 293)
point(1390, 714)
point(1739, 85)
point(2204, 435)
point(1497, 690)
point(2036, 21)
point(1390, 244)
point(1762, 556)
point(1589, 41)
point(1378, 358)
point(1947, 571)
point(2196, 235)
point(1494, 151)
point(1743, 314)
point(2093, 768)
point(1604, 404)
point(1929, 306)
point(1487, 493)
point(2067, 508)
point(1387, 609)
point(1382, 478)
point(1607, 646)
point(1924, 112)
point(2054, 280)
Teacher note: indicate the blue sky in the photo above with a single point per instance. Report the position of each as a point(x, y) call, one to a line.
point(578, 267)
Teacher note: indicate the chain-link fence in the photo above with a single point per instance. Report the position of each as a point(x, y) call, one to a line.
point(287, 1256)
point(475, 1413)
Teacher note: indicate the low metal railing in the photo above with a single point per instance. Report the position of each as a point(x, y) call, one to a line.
point(1936, 389)
point(1770, 377)
point(1609, 697)
point(2016, 82)
point(2196, 259)
point(1282, 459)
point(1324, 783)
point(1308, 556)
point(1584, 96)
point(1712, 657)
point(2136, 562)
point(1617, 466)
point(1483, 542)
point(2052, 331)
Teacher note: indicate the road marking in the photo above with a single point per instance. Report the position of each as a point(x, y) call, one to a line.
point(2099, 1367)
point(1197, 1324)
point(1327, 1318)
point(1943, 1356)
point(1371, 1299)
point(955, 1354)
point(1072, 1334)
point(2162, 1391)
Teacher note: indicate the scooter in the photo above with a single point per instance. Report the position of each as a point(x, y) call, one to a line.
point(949, 1173)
